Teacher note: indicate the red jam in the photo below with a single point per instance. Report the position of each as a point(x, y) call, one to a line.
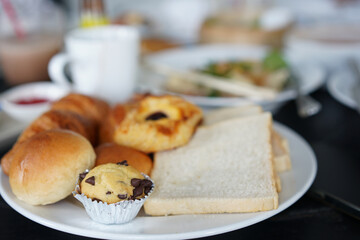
point(28, 101)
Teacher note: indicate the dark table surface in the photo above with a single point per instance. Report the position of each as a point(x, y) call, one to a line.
point(334, 135)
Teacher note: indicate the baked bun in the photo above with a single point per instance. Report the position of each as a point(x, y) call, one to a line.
point(46, 166)
point(151, 123)
point(53, 119)
point(152, 45)
point(64, 120)
point(237, 26)
point(83, 105)
point(114, 153)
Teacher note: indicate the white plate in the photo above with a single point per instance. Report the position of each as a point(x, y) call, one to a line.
point(311, 75)
point(69, 215)
point(329, 43)
point(340, 87)
point(9, 129)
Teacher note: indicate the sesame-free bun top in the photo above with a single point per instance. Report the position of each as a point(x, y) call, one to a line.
point(46, 166)
point(114, 153)
point(90, 107)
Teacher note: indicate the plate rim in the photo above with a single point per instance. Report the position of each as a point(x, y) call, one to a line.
point(187, 235)
point(10, 134)
point(336, 94)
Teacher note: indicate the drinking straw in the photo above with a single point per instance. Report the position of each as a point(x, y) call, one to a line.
point(10, 12)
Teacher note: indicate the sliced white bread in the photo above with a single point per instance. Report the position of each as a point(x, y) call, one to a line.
point(220, 114)
point(282, 161)
point(279, 144)
point(225, 168)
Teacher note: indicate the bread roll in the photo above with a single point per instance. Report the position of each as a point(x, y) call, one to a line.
point(87, 106)
point(152, 45)
point(238, 26)
point(114, 153)
point(46, 166)
point(53, 119)
point(63, 120)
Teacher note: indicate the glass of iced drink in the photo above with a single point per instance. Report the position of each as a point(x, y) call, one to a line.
point(30, 34)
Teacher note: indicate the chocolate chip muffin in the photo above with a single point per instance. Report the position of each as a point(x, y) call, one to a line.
point(112, 183)
point(113, 193)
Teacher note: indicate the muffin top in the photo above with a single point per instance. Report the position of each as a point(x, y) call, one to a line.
point(112, 183)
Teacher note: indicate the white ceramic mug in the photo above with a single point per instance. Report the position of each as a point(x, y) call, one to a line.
point(103, 62)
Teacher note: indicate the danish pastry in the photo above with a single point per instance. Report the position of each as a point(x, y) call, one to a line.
point(151, 123)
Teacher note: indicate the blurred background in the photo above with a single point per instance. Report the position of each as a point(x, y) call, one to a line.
point(315, 37)
point(32, 31)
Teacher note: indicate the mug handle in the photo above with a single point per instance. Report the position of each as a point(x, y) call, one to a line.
point(56, 69)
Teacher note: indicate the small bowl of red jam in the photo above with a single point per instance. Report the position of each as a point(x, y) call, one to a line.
point(28, 101)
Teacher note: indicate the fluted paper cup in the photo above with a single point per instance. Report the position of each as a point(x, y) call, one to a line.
point(114, 213)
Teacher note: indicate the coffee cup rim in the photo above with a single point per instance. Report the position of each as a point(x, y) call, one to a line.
point(103, 33)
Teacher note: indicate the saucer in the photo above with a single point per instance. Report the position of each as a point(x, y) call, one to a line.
point(26, 102)
point(340, 87)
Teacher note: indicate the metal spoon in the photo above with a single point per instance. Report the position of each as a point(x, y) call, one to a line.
point(306, 105)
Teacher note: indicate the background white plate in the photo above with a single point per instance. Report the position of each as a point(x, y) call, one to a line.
point(328, 43)
point(312, 75)
point(9, 130)
point(69, 215)
point(340, 87)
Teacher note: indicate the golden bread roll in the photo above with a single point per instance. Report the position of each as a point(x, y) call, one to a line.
point(53, 119)
point(46, 166)
point(63, 120)
point(152, 45)
point(114, 153)
point(6, 161)
point(151, 123)
point(211, 34)
point(86, 106)
point(241, 26)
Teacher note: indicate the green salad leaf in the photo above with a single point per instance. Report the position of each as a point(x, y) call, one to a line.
point(274, 60)
point(211, 69)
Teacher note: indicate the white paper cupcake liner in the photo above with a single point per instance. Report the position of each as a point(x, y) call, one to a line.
point(115, 213)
